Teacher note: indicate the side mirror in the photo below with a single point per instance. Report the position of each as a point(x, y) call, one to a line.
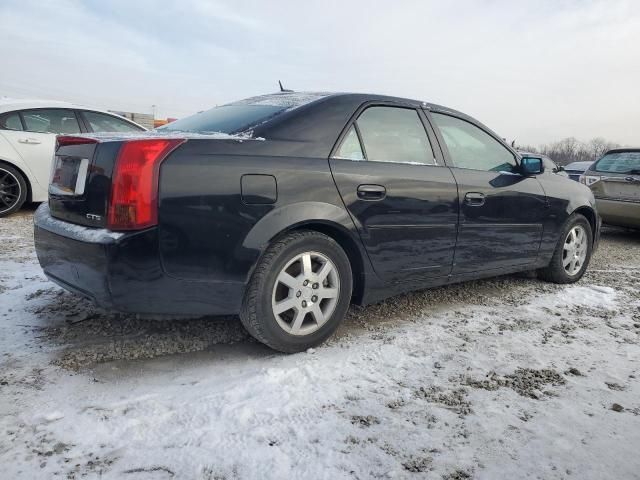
point(531, 165)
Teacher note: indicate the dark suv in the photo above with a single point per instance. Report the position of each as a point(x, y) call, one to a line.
point(299, 204)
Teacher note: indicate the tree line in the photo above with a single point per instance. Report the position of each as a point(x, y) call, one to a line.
point(571, 149)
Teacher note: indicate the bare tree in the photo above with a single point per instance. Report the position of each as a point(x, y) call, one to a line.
point(570, 150)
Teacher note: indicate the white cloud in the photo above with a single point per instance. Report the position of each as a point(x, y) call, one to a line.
point(535, 71)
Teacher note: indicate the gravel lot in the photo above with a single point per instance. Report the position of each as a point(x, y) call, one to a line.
point(504, 378)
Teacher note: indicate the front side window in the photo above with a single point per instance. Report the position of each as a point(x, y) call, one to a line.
point(394, 134)
point(101, 122)
point(471, 147)
point(55, 120)
point(619, 162)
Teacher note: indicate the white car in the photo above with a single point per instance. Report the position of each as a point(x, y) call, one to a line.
point(28, 130)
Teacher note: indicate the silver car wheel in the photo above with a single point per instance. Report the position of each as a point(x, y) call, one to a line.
point(305, 293)
point(575, 249)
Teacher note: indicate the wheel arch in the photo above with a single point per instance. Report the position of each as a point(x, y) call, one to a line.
point(591, 215)
point(324, 218)
point(24, 176)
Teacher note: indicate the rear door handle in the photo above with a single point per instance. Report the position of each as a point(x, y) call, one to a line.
point(30, 141)
point(631, 179)
point(474, 199)
point(371, 192)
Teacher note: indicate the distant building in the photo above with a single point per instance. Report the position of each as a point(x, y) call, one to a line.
point(159, 121)
point(144, 119)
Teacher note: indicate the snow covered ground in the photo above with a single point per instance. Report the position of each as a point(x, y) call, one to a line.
point(506, 378)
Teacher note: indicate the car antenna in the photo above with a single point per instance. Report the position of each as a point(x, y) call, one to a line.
point(282, 89)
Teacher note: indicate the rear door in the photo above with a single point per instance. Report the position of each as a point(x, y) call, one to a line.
point(400, 195)
point(501, 212)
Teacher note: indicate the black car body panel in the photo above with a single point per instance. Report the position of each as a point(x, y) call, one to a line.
point(222, 201)
point(123, 272)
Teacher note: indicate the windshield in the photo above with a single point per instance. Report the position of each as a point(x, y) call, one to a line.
point(225, 119)
point(619, 162)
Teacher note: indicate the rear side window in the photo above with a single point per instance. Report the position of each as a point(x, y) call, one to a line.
point(471, 147)
point(394, 134)
point(619, 162)
point(350, 148)
point(55, 120)
point(11, 122)
point(101, 122)
point(226, 119)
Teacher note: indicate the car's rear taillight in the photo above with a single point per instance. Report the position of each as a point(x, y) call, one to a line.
point(134, 186)
point(588, 180)
point(65, 140)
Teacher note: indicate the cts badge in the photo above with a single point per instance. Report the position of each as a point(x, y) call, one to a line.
point(92, 216)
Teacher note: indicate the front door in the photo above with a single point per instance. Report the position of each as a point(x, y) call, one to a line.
point(501, 211)
point(402, 198)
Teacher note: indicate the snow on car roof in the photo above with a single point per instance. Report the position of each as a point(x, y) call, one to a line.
point(286, 100)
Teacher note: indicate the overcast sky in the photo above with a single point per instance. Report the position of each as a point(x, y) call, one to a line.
point(536, 71)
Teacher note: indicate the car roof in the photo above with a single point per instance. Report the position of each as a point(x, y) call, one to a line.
point(293, 99)
point(623, 149)
point(11, 104)
point(314, 97)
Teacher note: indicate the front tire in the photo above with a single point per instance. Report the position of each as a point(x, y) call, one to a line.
point(299, 292)
point(13, 190)
point(572, 254)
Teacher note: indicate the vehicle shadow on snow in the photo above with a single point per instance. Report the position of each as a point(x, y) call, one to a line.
point(620, 233)
point(84, 335)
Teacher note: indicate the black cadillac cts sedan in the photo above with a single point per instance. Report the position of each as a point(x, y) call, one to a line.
point(299, 204)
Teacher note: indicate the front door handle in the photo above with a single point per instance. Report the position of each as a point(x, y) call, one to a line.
point(371, 192)
point(29, 141)
point(631, 179)
point(474, 199)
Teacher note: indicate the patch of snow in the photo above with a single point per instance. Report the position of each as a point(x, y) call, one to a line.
point(168, 134)
point(81, 233)
point(286, 100)
point(510, 378)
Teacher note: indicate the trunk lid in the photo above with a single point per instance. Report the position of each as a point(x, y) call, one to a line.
point(619, 173)
point(80, 182)
point(618, 187)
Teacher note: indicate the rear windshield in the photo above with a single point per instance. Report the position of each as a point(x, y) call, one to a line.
point(619, 162)
point(226, 119)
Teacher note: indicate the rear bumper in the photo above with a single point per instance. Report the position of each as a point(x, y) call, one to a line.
point(619, 213)
point(123, 272)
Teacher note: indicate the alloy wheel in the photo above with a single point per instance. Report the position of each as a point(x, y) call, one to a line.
point(575, 249)
point(9, 190)
point(305, 293)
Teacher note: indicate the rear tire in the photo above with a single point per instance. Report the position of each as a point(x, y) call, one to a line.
point(299, 292)
point(572, 254)
point(13, 190)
